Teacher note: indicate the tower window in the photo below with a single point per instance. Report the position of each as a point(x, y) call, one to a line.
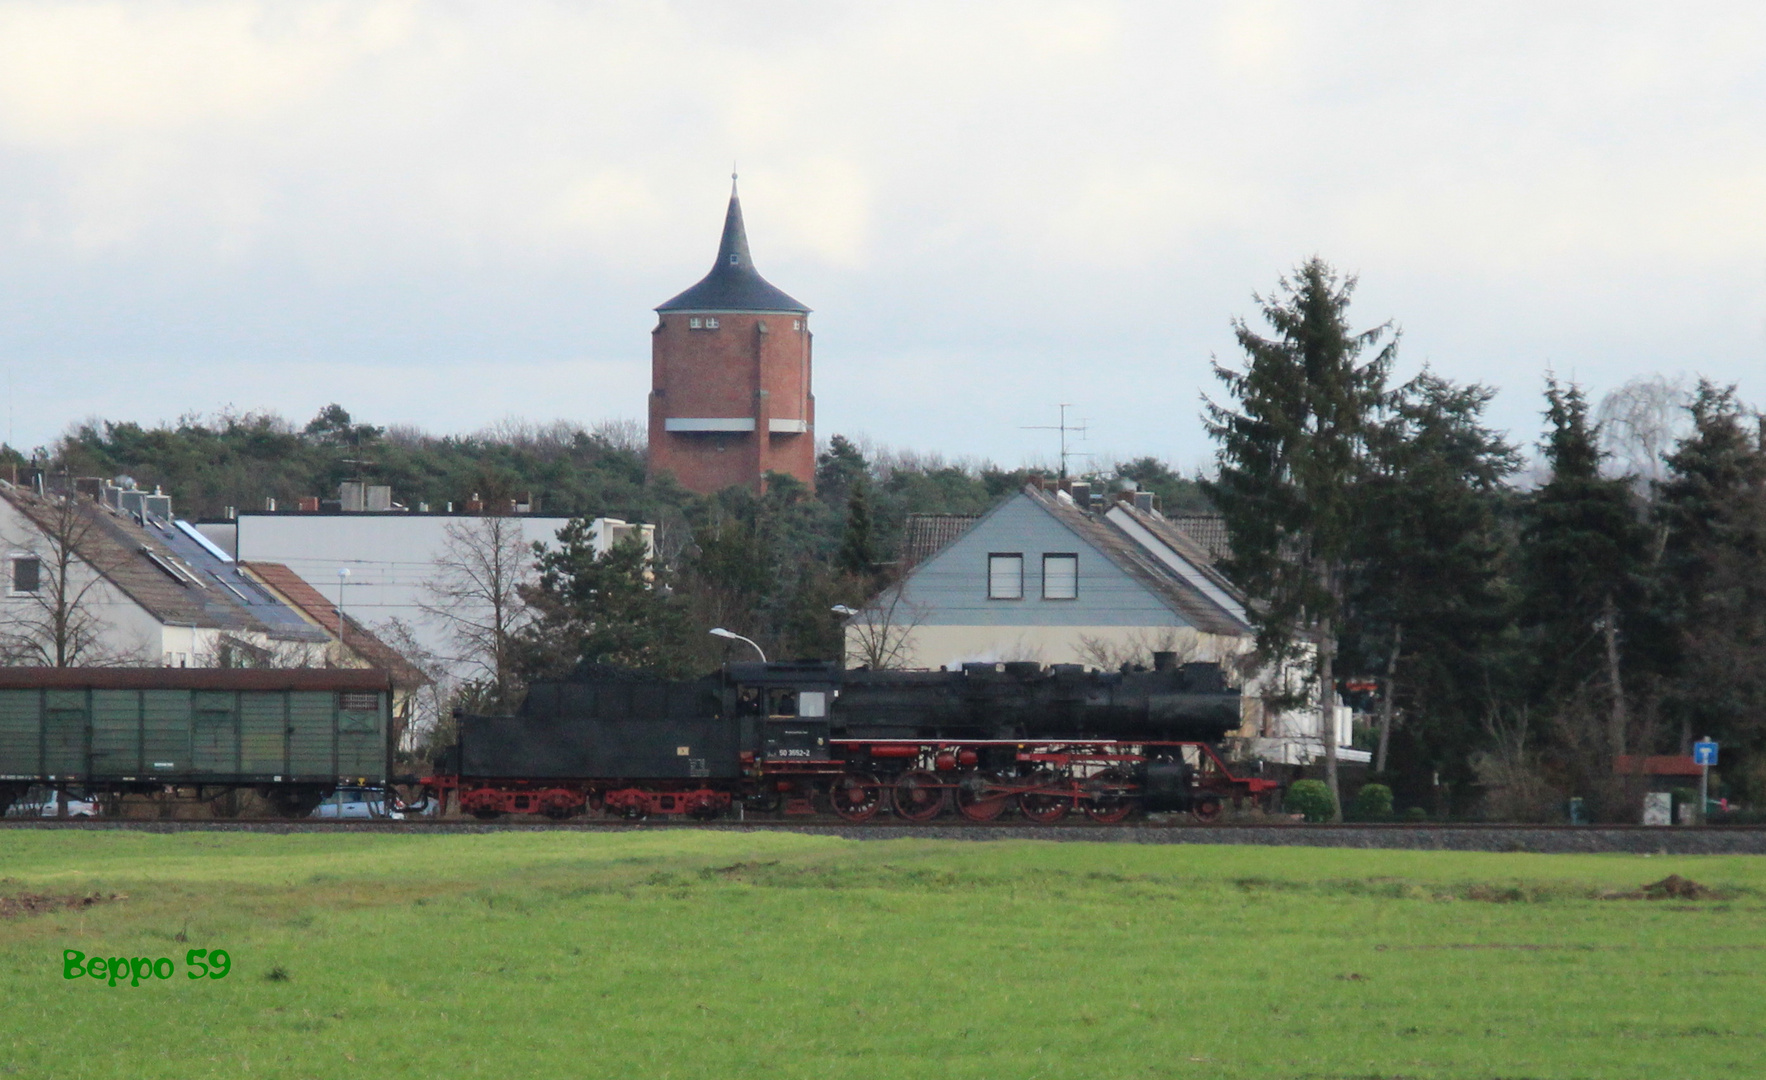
point(693, 323)
point(797, 324)
point(735, 259)
point(711, 324)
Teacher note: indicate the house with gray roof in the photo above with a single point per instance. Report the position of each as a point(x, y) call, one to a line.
point(1063, 577)
point(87, 584)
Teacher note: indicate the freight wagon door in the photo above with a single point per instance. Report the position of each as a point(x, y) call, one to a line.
point(116, 733)
point(312, 734)
point(263, 734)
point(361, 736)
point(165, 732)
point(21, 733)
point(215, 732)
point(64, 732)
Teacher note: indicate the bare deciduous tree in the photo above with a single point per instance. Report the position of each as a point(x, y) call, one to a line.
point(882, 632)
point(1109, 654)
point(1639, 423)
point(51, 617)
point(475, 594)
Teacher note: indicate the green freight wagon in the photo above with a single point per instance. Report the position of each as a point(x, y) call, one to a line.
point(293, 735)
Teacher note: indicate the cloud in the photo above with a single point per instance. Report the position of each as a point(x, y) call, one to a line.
point(992, 206)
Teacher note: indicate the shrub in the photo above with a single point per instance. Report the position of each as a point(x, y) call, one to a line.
point(1416, 813)
point(1372, 803)
point(1311, 798)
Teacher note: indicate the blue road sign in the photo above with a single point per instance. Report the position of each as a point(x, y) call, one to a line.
point(1704, 753)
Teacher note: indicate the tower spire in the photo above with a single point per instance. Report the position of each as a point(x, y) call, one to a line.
point(733, 284)
point(732, 250)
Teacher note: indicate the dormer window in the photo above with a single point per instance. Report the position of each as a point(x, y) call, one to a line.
point(735, 259)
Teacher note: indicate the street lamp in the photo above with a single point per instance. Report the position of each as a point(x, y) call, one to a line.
point(343, 577)
point(719, 631)
point(842, 609)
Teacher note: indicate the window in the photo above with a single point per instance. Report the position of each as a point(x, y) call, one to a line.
point(735, 259)
point(1005, 577)
point(1060, 577)
point(711, 324)
point(27, 574)
point(693, 323)
point(797, 324)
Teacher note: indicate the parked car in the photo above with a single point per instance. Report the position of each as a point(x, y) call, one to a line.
point(352, 803)
point(75, 808)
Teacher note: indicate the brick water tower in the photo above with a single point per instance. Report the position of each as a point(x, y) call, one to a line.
point(730, 398)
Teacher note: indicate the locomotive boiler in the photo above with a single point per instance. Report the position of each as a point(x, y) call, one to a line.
point(805, 737)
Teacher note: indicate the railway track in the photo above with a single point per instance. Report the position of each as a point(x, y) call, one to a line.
point(1469, 836)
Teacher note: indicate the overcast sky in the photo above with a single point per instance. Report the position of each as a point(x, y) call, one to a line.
point(446, 214)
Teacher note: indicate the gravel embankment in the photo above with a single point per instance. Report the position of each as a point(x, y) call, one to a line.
point(1720, 840)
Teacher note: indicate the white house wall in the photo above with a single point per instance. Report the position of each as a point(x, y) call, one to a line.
point(389, 557)
point(127, 630)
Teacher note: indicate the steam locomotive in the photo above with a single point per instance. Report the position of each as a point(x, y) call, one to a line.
point(806, 737)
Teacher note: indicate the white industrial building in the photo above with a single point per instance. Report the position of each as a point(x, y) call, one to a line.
point(390, 555)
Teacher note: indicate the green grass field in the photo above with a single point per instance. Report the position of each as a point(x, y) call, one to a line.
point(705, 955)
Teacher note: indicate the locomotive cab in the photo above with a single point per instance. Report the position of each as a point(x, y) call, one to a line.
point(784, 709)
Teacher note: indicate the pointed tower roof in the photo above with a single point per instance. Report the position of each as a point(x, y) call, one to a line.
point(733, 284)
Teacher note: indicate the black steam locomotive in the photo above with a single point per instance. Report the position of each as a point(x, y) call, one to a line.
point(799, 738)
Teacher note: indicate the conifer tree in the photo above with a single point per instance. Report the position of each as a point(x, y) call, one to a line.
point(1584, 552)
point(1712, 576)
point(1291, 454)
point(612, 610)
point(1427, 602)
point(858, 554)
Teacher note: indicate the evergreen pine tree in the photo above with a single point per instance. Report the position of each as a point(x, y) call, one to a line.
point(1427, 603)
point(1584, 552)
point(612, 610)
point(1290, 459)
point(1712, 577)
point(857, 555)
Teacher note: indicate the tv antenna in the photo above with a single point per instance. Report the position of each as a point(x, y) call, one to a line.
point(1063, 427)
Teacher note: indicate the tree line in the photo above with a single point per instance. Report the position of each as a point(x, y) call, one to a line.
point(1523, 639)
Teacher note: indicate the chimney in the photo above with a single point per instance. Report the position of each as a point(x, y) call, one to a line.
point(1143, 500)
point(1081, 493)
point(475, 505)
point(309, 504)
point(1164, 661)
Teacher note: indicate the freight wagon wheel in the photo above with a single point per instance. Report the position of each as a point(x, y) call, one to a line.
point(974, 800)
point(856, 797)
point(920, 796)
point(1207, 810)
point(1107, 799)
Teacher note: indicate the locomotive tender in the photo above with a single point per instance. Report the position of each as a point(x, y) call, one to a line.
point(805, 736)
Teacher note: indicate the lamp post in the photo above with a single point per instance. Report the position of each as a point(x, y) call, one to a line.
point(843, 610)
point(343, 577)
point(718, 631)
